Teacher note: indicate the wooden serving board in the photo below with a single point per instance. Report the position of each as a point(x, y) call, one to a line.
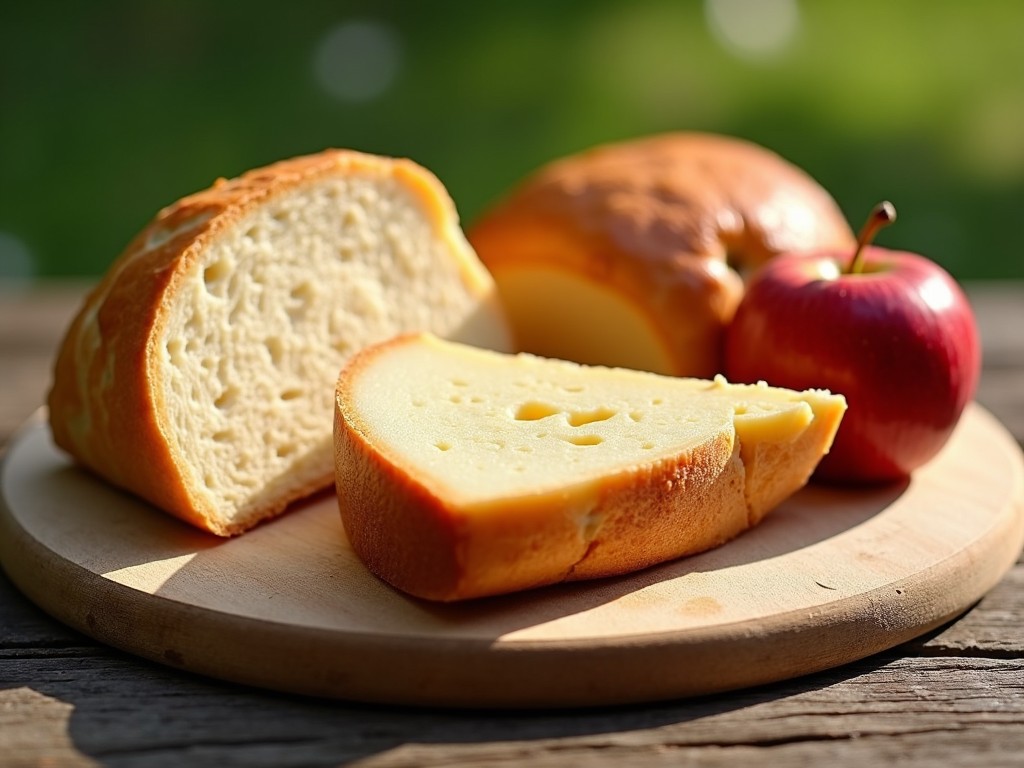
point(831, 576)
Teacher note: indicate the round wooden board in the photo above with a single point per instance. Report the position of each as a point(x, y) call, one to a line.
point(829, 577)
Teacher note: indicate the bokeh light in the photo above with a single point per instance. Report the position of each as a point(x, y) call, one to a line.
point(358, 60)
point(754, 29)
point(16, 263)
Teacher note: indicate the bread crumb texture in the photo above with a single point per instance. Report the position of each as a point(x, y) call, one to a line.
point(274, 306)
point(536, 470)
point(276, 278)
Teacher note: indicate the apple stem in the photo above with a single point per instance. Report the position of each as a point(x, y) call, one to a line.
point(882, 215)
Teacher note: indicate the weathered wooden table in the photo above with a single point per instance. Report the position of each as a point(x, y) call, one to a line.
point(954, 697)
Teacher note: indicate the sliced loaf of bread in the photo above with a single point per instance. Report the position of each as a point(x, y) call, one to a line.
point(463, 472)
point(199, 373)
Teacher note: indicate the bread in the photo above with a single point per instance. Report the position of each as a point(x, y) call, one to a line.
point(463, 472)
point(199, 373)
point(633, 254)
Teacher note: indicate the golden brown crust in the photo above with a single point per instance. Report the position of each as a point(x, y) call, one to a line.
point(687, 505)
point(668, 221)
point(394, 523)
point(106, 403)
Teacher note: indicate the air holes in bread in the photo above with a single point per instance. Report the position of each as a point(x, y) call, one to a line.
point(276, 349)
point(303, 293)
point(354, 217)
point(346, 250)
point(215, 275)
point(176, 351)
point(302, 297)
point(226, 398)
point(585, 439)
point(535, 410)
point(579, 418)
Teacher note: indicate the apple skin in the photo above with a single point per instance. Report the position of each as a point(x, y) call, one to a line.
point(898, 339)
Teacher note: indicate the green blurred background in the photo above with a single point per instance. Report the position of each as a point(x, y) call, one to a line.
point(111, 110)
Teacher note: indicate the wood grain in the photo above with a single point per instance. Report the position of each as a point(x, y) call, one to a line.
point(995, 629)
point(117, 710)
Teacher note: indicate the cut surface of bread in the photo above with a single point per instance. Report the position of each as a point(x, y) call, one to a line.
point(644, 245)
point(200, 372)
point(464, 472)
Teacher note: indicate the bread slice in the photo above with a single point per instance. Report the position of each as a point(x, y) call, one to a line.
point(199, 373)
point(463, 472)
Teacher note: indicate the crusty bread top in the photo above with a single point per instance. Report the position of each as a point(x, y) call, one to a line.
point(437, 441)
point(669, 223)
point(199, 372)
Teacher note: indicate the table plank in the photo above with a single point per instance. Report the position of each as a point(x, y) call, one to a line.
point(994, 628)
point(32, 323)
point(119, 710)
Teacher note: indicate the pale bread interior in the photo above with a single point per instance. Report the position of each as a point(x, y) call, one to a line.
point(271, 310)
point(574, 316)
point(476, 426)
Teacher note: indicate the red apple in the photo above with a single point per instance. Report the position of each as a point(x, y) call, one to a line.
point(890, 330)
